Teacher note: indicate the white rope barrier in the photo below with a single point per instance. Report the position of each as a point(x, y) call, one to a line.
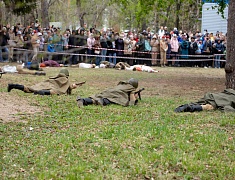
point(135, 56)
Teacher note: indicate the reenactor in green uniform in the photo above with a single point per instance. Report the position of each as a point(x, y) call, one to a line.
point(54, 85)
point(122, 94)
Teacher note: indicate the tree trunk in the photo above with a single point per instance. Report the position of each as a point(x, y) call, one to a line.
point(80, 14)
point(167, 15)
point(230, 59)
point(45, 14)
point(177, 21)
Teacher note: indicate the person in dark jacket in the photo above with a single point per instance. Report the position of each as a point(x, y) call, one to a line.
point(82, 45)
point(224, 101)
point(140, 47)
point(219, 49)
point(104, 46)
point(119, 45)
point(192, 49)
point(122, 94)
point(4, 37)
point(72, 49)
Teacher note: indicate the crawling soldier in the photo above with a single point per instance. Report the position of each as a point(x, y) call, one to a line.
point(122, 94)
point(54, 85)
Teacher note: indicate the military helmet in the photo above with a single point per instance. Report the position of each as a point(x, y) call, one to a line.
point(64, 71)
point(133, 82)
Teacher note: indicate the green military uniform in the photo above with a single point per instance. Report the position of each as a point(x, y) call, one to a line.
point(223, 101)
point(118, 95)
point(59, 84)
point(122, 94)
point(54, 85)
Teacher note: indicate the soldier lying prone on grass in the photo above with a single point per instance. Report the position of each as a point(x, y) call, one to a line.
point(122, 94)
point(54, 85)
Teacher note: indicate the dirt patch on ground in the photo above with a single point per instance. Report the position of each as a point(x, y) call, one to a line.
point(15, 108)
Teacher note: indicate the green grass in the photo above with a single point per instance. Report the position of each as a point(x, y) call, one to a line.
point(113, 142)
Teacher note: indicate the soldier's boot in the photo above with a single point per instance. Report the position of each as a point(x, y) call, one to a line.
point(103, 102)
point(43, 92)
point(84, 101)
point(189, 108)
point(40, 73)
point(15, 86)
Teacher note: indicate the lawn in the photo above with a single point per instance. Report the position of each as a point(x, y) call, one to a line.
point(148, 141)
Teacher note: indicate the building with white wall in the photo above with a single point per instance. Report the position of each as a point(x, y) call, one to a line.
point(212, 21)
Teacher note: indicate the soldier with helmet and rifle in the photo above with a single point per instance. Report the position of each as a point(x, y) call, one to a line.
point(54, 85)
point(124, 94)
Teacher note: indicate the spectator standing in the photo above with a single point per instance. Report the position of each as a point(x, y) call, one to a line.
point(50, 48)
point(97, 50)
point(140, 47)
point(19, 45)
point(26, 47)
point(168, 52)
point(128, 49)
point(207, 45)
point(119, 45)
point(111, 48)
point(133, 48)
point(11, 43)
point(174, 48)
point(175, 31)
point(104, 46)
point(41, 41)
point(72, 48)
point(167, 33)
point(65, 39)
point(219, 50)
point(4, 37)
point(155, 44)
point(35, 44)
point(192, 49)
point(163, 50)
point(184, 46)
point(58, 45)
point(90, 45)
point(161, 32)
point(147, 49)
point(82, 42)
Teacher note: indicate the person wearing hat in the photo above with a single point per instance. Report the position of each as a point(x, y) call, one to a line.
point(54, 85)
point(163, 50)
point(184, 50)
point(19, 45)
point(219, 49)
point(122, 94)
point(155, 44)
point(119, 45)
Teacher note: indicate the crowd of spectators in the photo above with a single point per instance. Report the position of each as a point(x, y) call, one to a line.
point(164, 48)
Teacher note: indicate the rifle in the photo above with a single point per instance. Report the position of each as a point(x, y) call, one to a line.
point(80, 83)
point(69, 90)
point(138, 92)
